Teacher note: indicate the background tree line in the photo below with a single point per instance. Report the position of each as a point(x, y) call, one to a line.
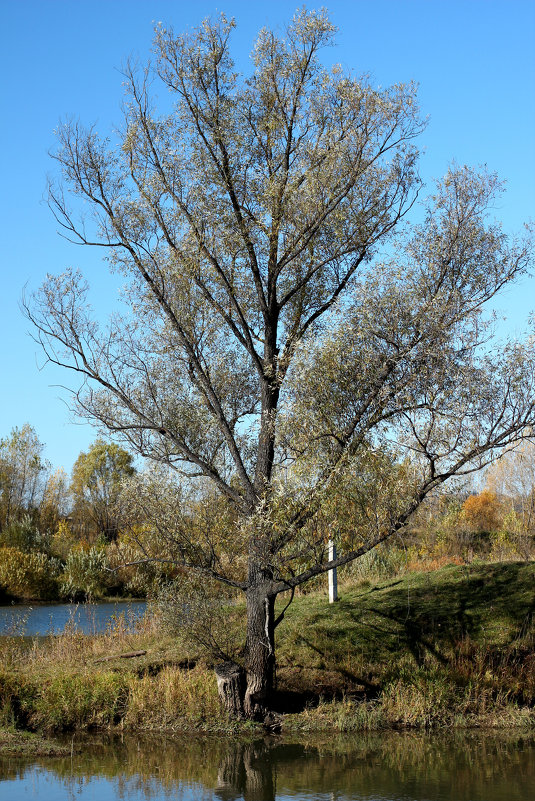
point(67, 537)
point(58, 533)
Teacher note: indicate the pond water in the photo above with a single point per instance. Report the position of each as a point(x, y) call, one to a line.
point(53, 618)
point(386, 767)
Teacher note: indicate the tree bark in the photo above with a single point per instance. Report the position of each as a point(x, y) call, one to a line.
point(231, 687)
point(260, 651)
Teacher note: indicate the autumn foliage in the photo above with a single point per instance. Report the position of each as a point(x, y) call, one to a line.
point(483, 512)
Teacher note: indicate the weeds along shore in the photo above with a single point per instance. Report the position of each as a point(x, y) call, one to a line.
point(452, 647)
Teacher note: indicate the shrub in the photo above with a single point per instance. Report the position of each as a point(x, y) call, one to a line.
point(204, 614)
point(63, 540)
point(381, 563)
point(85, 573)
point(28, 574)
point(24, 535)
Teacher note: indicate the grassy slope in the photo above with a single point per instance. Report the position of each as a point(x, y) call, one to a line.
point(451, 647)
point(419, 615)
point(448, 645)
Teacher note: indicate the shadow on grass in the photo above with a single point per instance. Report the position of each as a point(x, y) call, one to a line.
point(428, 612)
point(366, 635)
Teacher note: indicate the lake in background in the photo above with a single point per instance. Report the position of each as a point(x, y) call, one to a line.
point(388, 766)
point(30, 619)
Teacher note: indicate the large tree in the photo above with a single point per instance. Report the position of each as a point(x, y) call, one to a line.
point(289, 339)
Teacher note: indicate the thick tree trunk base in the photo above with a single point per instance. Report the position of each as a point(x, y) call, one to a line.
point(258, 699)
point(238, 703)
point(231, 688)
point(259, 652)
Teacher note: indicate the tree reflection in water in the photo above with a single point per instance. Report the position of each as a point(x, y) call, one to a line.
point(247, 772)
point(459, 767)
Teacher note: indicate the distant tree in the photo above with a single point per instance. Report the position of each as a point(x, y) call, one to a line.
point(513, 479)
point(55, 501)
point(95, 485)
point(286, 329)
point(22, 474)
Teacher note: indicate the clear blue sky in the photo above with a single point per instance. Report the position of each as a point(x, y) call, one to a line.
point(474, 61)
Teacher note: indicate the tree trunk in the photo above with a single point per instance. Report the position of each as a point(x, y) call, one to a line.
point(248, 693)
point(231, 688)
point(260, 652)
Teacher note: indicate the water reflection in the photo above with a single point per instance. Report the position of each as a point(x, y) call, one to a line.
point(247, 772)
point(464, 767)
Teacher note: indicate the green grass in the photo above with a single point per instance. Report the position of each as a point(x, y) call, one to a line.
point(448, 647)
point(452, 647)
point(421, 614)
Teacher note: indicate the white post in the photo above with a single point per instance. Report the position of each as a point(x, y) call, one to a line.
point(333, 580)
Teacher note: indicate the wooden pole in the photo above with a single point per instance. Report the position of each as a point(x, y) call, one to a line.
point(333, 579)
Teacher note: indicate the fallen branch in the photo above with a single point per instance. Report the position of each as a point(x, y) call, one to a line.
point(128, 655)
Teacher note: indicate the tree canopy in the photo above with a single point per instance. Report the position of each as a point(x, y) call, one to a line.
point(289, 338)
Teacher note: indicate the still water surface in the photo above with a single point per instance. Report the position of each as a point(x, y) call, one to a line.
point(53, 618)
point(387, 767)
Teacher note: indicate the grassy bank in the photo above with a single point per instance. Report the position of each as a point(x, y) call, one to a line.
point(453, 647)
point(14, 742)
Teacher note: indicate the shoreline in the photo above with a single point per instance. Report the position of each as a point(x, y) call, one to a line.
point(114, 599)
point(21, 743)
